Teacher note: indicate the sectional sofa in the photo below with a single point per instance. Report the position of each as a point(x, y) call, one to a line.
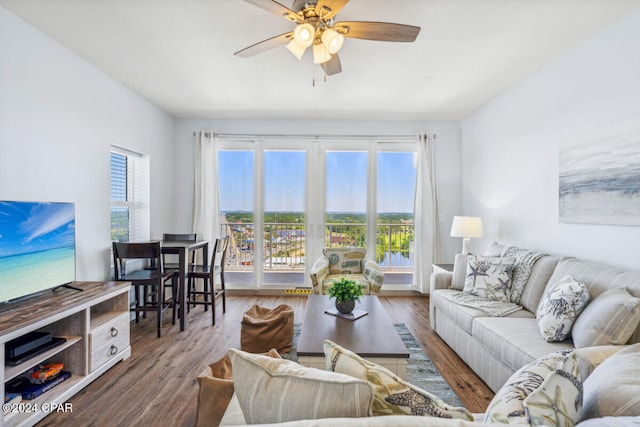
point(495, 347)
point(536, 381)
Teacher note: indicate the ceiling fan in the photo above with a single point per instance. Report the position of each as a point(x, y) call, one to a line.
point(316, 29)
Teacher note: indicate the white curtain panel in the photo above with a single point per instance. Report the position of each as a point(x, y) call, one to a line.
point(427, 234)
point(206, 215)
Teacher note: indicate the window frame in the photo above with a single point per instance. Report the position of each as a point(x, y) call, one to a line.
point(138, 194)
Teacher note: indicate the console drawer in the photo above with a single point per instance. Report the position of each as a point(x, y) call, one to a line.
point(108, 340)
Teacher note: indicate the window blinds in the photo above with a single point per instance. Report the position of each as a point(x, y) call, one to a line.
point(130, 200)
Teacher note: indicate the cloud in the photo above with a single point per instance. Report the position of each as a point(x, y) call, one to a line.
point(45, 218)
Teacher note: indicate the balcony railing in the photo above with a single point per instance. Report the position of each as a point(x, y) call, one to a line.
point(284, 244)
point(394, 246)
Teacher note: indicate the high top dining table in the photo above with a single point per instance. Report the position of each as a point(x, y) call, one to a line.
point(183, 249)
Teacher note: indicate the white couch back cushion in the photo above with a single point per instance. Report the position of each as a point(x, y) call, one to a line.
point(540, 274)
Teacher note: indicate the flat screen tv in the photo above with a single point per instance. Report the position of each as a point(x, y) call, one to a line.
point(37, 247)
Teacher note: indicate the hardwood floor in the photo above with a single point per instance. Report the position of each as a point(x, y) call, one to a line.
point(157, 385)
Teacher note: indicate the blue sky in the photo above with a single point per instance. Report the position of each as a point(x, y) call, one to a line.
point(396, 182)
point(346, 181)
point(31, 227)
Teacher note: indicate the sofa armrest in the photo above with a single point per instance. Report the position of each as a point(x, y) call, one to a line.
point(374, 275)
point(440, 280)
point(318, 273)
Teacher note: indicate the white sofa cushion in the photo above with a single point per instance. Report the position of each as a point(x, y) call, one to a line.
point(275, 390)
point(515, 341)
point(540, 274)
point(462, 315)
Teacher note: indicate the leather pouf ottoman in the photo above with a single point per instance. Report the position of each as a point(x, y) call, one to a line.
point(265, 328)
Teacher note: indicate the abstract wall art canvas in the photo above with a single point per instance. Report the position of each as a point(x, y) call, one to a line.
point(599, 170)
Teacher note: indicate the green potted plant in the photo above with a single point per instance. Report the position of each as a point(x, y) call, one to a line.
point(346, 292)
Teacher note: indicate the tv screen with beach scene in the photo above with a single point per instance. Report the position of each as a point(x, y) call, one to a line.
point(37, 247)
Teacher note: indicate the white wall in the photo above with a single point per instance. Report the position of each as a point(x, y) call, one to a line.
point(447, 156)
point(510, 148)
point(59, 115)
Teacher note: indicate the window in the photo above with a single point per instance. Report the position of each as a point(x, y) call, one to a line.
point(396, 188)
point(130, 214)
point(283, 200)
point(284, 230)
point(346, 187)
point(236, 196)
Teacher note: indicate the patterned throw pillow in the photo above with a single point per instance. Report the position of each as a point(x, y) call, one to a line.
point(277, 390)
point(547, 391)
point(489, 277)
point(393, 396)
point(374, 275)
point(559, 308)
point(345, 260)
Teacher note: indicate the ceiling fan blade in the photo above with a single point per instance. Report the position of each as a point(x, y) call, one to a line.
point(332, 66)
point(277, 9)
point(265, 45)
point(380, 31)
point(328, 8)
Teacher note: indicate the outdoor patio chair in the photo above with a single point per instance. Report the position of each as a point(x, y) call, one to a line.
point(350, 263)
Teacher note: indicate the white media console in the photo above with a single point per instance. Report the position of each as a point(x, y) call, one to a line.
point(95, 324)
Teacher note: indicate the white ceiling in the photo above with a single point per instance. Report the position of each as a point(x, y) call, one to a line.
point(179, 53)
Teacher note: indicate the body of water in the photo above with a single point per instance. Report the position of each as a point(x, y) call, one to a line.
point(28, 273)
point(396, 259)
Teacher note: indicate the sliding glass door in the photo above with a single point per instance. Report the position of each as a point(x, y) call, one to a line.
point(236, 196)
point(284, 219)
point(346, 198)
point(282, 202)
point(396, 186)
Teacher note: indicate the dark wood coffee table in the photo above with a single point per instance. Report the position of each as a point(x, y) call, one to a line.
point(372, 337)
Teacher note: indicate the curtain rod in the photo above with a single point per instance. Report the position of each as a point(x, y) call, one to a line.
point(308, 136)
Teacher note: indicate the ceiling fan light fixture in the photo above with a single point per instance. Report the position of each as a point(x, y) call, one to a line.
point(296, 48)
point(320, 54)
point(315, 27)
point(332, 40)
point(304, 34)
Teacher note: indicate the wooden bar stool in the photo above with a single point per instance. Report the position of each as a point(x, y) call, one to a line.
point(208, 274)
point(148, 283)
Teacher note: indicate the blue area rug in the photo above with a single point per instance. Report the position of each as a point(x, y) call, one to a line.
point(420, 369)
